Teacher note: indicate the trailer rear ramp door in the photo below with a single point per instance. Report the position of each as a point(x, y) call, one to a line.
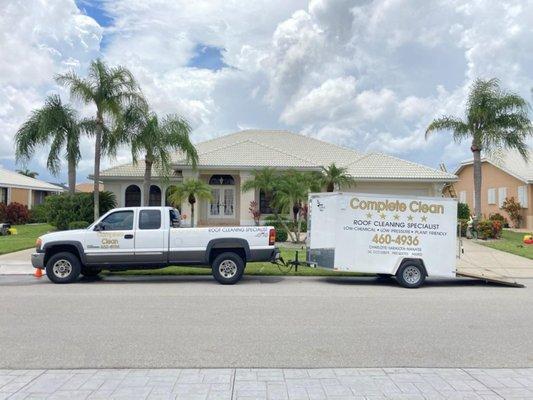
point(487, 275)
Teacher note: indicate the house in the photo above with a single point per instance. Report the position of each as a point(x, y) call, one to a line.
point(18, 188)
point(88, 187)
point(504, 175)
point(226, 162)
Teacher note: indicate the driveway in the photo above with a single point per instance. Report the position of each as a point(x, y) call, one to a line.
point(173, 322)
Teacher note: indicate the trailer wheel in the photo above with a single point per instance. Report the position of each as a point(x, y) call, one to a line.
point(228, 268)
point(63, 267)
point(411, 275)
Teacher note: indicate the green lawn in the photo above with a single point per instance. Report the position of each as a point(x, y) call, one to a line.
point(511, 242)
point(25, 239)
point(256, 268)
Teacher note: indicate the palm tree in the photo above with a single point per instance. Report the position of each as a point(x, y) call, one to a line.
point(56, 125)
point(335, 177)
point(192, 190)
point(291, 193)
point(155, 140)
point(28, 172)
point(110, 89)
point(494, 118)
point(265, 180)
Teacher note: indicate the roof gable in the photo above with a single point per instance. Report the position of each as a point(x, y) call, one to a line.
point(12, 178)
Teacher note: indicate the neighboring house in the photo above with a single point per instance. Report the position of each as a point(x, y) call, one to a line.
point(226, 163)
point(18, 188)
point(503, 176)
point(87, 187)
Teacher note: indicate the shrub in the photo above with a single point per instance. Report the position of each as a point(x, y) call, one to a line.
point(500, 218)
point(281, 235)
point(488, 229)
point(255, 212)
point(463, 211)
point(78, 225)
point(514, 209)
point(65, 208)
point(38, 214)
point(17, 214)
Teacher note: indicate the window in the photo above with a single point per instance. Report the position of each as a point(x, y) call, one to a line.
point(155, 196)
point(118, 221)
point(133, 196)
point(502, 195)
point(3, 195)
point(522, 196)
point(150, 219)
point(492, 196)
point(174, 218)
point(264, 202)
point(221, 180)
point(462, 196)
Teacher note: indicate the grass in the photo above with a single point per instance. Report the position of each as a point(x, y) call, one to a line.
point(254, 268)
point(24, 239)
point(511, 242)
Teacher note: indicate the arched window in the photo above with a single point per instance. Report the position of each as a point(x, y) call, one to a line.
point(155, 196)
point(133, 196)
point(222, 180)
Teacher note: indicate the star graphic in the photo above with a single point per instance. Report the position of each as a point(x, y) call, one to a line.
point(410, 218)
point(369, 215)
point(383, 215)
point(424, 218)
point(396, 217)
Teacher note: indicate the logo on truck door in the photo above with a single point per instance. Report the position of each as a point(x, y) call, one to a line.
point(109, 240)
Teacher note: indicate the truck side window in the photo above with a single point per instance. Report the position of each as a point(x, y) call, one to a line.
point(174, 219)
point(150, 219)
point(118, 221)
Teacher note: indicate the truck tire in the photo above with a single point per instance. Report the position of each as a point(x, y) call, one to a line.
point(90, 272)
point(411, 275)
point(228, 268)
point(63, 267)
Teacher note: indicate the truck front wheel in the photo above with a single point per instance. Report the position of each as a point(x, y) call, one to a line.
point(228, 268)
point(63, 267)
point(411, 275)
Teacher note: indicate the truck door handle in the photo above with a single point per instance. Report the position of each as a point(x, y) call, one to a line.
point(128, 236)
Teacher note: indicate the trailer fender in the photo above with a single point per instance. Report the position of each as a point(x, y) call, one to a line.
point(417, 261)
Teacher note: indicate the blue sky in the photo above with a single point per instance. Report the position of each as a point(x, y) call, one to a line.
point(367, 75)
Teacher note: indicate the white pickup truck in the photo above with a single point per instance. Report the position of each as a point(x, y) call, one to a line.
point(151, 237)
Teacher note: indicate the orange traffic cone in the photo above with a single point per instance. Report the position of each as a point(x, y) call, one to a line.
point(38, 273)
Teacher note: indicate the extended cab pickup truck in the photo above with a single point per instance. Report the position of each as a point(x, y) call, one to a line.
point(151, 237)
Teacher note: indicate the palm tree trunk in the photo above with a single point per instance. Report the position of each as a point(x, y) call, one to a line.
point(477, 180)
point(71, 176)
point(192, 215)
point(147, 181)
point(97, 156)
point(330, 187)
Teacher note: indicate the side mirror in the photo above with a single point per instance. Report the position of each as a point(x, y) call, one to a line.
point(99, 227)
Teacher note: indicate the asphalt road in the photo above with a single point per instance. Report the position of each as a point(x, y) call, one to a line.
point(262, 322)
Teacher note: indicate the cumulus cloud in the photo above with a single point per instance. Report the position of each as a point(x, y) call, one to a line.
point(366, 74)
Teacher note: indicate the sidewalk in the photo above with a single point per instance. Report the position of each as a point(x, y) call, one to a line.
point(271, 384)
point(17, 263)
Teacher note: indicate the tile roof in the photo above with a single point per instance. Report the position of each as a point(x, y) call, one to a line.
point(283, 149)
point(14, 179)
point(509, 161)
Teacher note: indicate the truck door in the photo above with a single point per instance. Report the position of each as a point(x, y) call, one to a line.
point(151, 235)
point(112, 240)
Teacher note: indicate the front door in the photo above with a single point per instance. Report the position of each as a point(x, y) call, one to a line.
point(114, 244)
point(223, 203)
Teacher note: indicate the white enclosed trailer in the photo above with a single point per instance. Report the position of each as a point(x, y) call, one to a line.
point(408, 237)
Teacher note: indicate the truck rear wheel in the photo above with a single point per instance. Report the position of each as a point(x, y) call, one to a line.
point(228, 268)
point(411, 275)
point(63, 267)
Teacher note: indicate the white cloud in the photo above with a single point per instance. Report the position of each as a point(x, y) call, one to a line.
point(370, 75)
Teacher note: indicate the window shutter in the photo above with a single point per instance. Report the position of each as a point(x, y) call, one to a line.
point(502, 195)
point(522, 196)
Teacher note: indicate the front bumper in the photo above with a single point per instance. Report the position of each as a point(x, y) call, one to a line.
point(37, 260)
